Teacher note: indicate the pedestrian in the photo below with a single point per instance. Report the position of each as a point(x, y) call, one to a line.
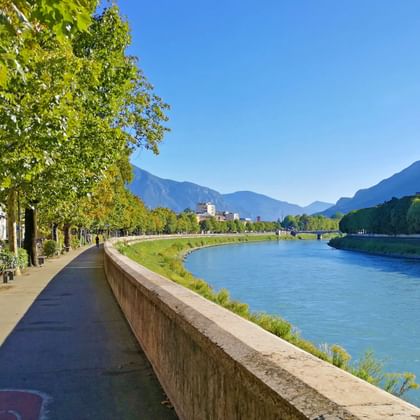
point(97, 241)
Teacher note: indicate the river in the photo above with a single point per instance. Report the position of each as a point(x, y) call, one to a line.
point(331, 296)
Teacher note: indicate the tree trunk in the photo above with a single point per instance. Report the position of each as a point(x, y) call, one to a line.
point(34, 235)
point(11, 224)
point(54, 233)
point(30, 236)
point(66, 229)
point(11, 221)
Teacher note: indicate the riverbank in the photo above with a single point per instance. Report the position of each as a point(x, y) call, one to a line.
point(166, 258)
point(383, 246)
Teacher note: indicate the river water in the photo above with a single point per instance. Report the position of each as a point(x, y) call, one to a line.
point(331, 296)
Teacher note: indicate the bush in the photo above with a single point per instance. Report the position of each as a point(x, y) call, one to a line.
point(50, 248)
point(340, 357)
point(7, 260)
point(22, 258)
point(74, 242)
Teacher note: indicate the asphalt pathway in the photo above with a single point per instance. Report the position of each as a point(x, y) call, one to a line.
point(73, 355)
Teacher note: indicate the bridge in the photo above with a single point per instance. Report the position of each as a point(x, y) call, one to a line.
point(318, 233)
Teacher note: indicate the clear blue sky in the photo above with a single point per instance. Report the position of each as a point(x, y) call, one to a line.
point(301, 100)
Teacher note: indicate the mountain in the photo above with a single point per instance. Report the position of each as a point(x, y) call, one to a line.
point(159, 192)
point(316, 207)
point(406, 182)
point(250, 204)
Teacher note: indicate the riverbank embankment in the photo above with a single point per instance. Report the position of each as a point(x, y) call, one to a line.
point(213, 362)
point(389, 246)
point(166, 258)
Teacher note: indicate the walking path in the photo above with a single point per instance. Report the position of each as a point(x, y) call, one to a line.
point(66, 350)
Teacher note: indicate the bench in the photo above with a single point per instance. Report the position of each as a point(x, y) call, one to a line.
point(41, 260)
point(8, 274)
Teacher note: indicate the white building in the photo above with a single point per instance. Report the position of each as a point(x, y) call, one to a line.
point(3, 224)
point(231, 216)
point(209, 208)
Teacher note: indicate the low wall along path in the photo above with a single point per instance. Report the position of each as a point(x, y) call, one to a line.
point(214, 364)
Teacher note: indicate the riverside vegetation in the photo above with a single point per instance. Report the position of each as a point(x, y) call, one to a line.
point(165, 257)
point(387, 246)
point(73, 106)
point(394, 217)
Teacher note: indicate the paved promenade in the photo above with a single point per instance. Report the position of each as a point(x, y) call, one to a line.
point(66, 350)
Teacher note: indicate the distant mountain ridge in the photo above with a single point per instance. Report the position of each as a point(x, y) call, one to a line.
point(403, 183)
point(159, 192)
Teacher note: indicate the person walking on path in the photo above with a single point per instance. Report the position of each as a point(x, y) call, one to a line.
point(97, 241)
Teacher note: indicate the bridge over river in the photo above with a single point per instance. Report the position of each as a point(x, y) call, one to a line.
point(318, 233)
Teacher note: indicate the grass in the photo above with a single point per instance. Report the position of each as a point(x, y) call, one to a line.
point(166, 258)
point(396, 247)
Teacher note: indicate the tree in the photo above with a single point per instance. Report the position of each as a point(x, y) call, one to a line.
point(81, 107)
point(413, 216)
point(22, 21)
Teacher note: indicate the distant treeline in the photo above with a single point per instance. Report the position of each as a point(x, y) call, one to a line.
point(305, 222)
point(164, 220)
point(397, 216)
point(237, 226)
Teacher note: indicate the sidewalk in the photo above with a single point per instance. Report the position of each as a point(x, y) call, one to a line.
point(17, 296)
point(67, 351)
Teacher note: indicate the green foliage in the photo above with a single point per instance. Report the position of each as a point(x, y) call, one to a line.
point(22, 258)
point(69, 122)
point(413, 216)
point(235, 226)
point(8, 260)
point(305, 222)
point(50, 248)
point(23, 22)
point(340, 357)
point(275, 324)
point(399, 383)
point(397, 216)
point(75, 242)
point(369, 368)
point(399, 247)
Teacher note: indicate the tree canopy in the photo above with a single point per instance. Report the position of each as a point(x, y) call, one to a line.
point(73, 105)
point(397, 216)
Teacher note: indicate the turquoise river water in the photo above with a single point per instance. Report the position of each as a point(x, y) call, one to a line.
point(355, 300)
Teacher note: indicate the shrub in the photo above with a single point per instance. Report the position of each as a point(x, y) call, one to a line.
point(74, 242)
point(22, 258)
point(340, 357)
point(7, 260)
point(369, 368)
point(222, 298)
point(399, 383)
point(50, 248)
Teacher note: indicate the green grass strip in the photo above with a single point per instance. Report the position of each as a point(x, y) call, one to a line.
point(387, 246)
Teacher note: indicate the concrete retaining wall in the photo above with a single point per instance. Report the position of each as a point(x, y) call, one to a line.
point(215, 365)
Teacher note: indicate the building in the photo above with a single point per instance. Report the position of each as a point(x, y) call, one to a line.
point(208, 207)
point(3, 225)
point(231, 216)
point(203, 216)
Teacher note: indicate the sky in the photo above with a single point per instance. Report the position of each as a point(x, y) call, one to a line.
point(300, 100)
